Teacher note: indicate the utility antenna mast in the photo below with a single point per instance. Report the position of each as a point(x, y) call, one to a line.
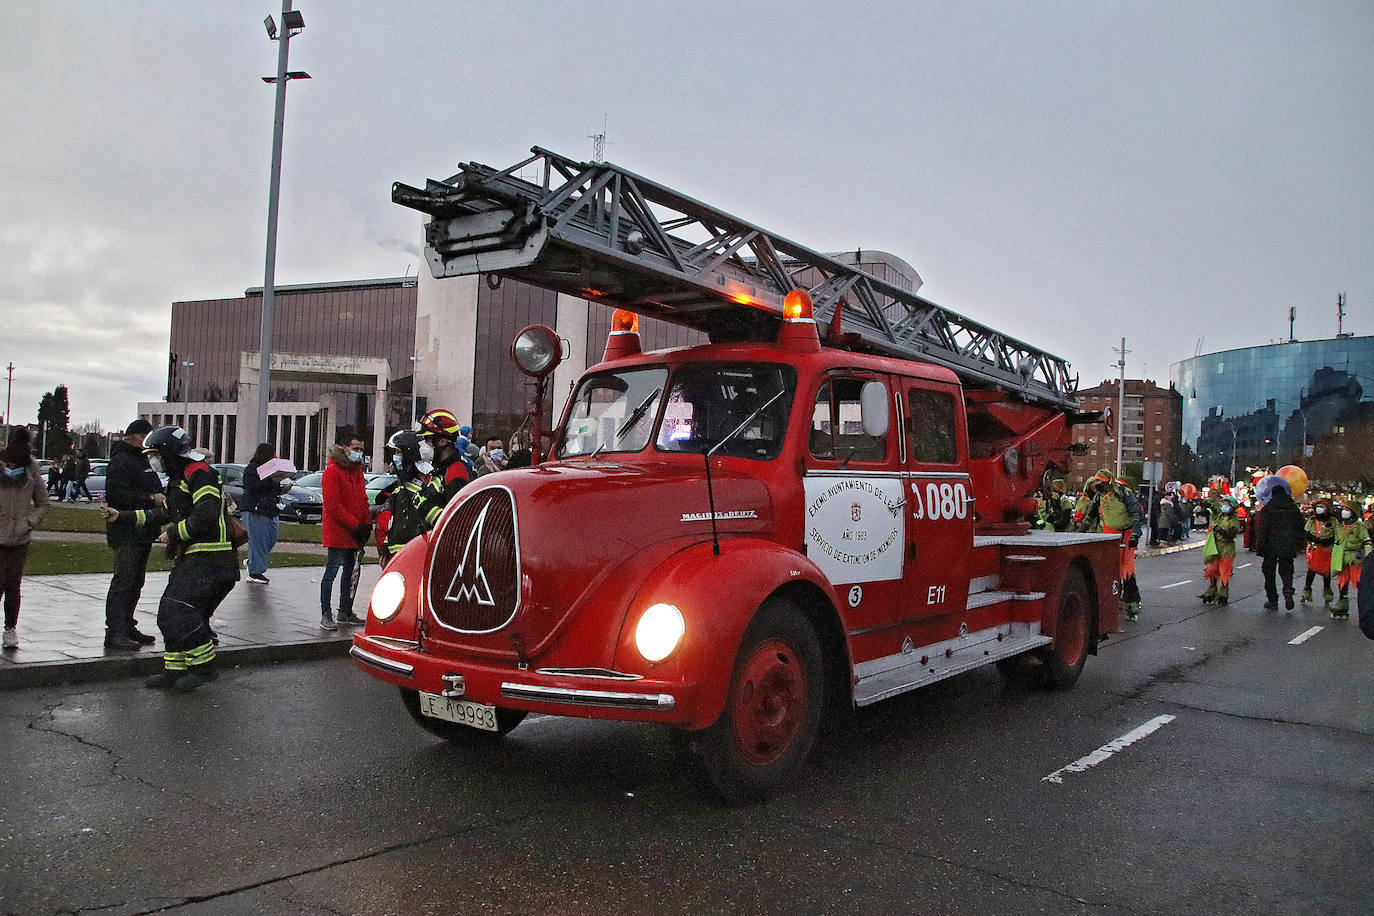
point(1292, 314)
point(1120, 401)
point(1340, 315)
point(599, 143)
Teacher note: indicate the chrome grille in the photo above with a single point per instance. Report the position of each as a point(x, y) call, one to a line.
point(474, 576)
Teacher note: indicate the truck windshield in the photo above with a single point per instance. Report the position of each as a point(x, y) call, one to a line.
point(613, 412)
point(708, 402)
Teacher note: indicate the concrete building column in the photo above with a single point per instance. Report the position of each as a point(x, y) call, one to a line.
point(379, 431)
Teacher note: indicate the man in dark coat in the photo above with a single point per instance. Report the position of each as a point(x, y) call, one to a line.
point(130, 486)
point(1279, 538)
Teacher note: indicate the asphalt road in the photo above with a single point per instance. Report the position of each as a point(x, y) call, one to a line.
point(304, 788)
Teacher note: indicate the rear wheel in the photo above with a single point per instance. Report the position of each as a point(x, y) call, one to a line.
point(1064, 658)
point(773, 711)
point(506, 719)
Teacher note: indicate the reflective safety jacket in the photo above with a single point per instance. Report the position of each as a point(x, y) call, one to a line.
point(408, 514)
point(441, 487)
point(194, 515)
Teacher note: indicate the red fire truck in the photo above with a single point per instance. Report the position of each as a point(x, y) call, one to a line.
point(824, 506)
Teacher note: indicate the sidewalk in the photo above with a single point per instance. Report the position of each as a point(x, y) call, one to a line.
point(62, 626)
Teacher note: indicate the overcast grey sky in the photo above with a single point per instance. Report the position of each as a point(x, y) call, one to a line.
point(1068, 172)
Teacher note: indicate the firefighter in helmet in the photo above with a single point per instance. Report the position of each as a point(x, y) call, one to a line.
point(439, 435)
point(407, 494)
point(206, 562)
point(1114, 509)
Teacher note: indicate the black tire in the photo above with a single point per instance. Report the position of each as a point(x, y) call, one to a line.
point(773, 711)
point(1065, 657)
point(462, 735)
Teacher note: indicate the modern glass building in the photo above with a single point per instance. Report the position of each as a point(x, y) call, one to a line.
point(1308, 402)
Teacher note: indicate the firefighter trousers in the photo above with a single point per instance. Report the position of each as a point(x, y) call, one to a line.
point(195, 588)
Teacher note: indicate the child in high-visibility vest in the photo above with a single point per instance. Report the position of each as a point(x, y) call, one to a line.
point(1352, 543)
point(1219, 554)
point(1321, 536)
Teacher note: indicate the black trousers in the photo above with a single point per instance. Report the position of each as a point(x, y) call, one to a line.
point(1284, 565)
point(195, 588)
point(126, 586)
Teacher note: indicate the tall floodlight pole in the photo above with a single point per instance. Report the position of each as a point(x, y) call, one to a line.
point(292, 22)
point(9, 386)
point(1120, 402)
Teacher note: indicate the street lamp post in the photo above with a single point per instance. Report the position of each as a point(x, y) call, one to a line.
point(186, 397)
point(9, 386)
point(1231, 424)
point(292, 23)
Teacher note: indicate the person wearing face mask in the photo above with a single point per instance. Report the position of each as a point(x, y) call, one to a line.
point(492, 457)
point(345, 528)
point(1347, 556)
point(404, 505)
point(206, 567)
point(131, 485)
point(1321, 537)
point(23, 500)
point(440, 434)
point(1219, 553)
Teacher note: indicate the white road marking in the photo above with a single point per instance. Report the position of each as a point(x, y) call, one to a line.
point(1243, 565)
point(1108, 749)
point(1175, 585)
point(1303, 637)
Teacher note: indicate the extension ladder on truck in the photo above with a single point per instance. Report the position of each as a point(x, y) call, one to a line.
point(600, 232)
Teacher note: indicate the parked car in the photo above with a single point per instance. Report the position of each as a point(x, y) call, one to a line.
point(376, 483)
point(301, 504)
point(231, 480)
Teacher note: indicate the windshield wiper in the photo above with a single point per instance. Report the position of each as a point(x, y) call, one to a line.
point(635, 416)
point(745, 424)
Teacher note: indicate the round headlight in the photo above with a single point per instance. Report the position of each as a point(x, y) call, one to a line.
point(659, 631)
point(387, 595)
point(536, 350)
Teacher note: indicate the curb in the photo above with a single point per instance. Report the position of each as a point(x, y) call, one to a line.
point(113, 668)
point(1160, 551)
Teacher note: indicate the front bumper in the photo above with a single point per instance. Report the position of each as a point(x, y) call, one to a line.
point(588, 692)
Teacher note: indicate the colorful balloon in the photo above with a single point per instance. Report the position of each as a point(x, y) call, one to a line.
point(1189, 491)
point(1296, 477)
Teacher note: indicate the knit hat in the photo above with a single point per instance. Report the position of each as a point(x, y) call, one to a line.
point(139, 427)
point(17, 452)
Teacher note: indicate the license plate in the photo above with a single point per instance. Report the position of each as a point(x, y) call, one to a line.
point(464, 712)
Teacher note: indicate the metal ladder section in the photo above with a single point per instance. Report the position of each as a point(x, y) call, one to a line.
point(598, 231)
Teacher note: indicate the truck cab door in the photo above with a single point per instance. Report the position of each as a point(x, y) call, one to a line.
point(854, 528)
point(939, 510)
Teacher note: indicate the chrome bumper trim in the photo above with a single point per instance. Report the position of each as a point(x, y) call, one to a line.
point(385, 664)
point(604, 673)
point(579, 697)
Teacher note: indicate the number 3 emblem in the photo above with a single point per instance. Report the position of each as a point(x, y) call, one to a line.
point(856, 594)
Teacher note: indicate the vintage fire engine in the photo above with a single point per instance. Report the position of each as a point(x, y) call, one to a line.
point(822, 507)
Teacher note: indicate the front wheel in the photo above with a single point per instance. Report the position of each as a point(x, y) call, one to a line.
point(1064, 658)
point(454, 733)
point(773, 711)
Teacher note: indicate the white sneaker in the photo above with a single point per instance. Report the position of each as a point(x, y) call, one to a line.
point(11, 639)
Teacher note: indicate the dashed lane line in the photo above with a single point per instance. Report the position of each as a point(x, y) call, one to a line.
point(1244, 565)
point(1107, 750)
point(1305, 636)
point(1175, 585)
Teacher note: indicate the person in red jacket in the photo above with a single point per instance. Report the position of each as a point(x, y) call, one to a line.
point(346, 526)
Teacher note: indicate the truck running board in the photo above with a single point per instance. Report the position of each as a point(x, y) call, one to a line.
point(886, 677)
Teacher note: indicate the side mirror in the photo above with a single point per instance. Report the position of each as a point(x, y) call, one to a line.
point(874, 408)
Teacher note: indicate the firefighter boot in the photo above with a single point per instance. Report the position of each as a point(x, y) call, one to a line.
point(164, 680)
point(198, 676)
point(1307, 596)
